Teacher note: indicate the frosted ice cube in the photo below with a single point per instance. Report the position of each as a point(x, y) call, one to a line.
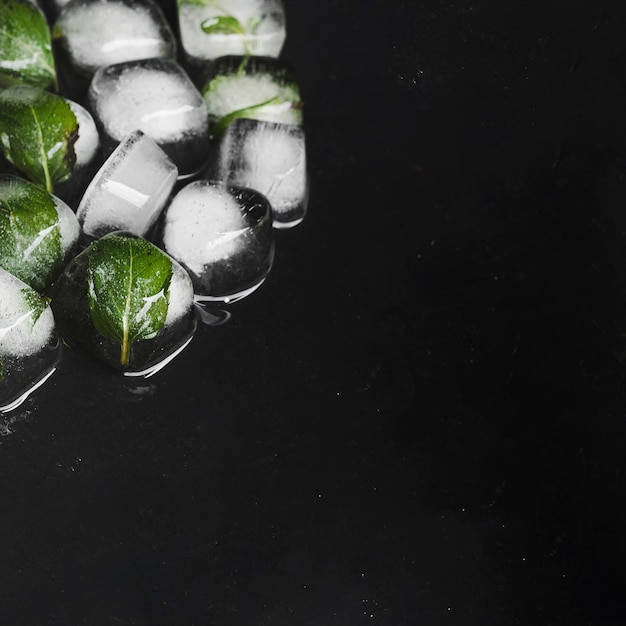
point(90, 34)
point(73, 312)
point(38, 232)
point(259, 88)
point(223, 236)
point(157, 97)
point(29, 345)
point(243, 27)
point(130, 189)
point(270, 158)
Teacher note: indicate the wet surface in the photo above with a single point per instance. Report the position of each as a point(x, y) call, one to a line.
point(420, 416)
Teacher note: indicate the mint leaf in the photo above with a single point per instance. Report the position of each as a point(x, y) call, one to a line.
point(38, 130)
point(25, 47)
point(128, 289)
point(222, 24)
point(30, 236)
point(36, 303)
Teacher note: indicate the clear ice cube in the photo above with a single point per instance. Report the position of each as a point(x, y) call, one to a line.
point(39, 233)
point(260, 88)
point(29, 344)
point(243, 27)
point(157, 97)
point(223, 236)
point(90, 34)
point(270, 158)
point(130, 189)
point(72, 302)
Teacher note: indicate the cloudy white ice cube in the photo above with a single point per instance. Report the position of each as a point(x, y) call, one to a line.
point(29, 345)
point(157, 97)
point(223, 236)
point(270, 158)
point(130, 189)
point(261, 24)
point(95, 33)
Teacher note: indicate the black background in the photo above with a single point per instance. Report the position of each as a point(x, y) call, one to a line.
point(420, 417)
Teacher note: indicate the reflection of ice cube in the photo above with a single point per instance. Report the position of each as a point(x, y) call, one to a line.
point(222, 235)
point(29, 346)
point(270, 158)
point(97, 33)
point(130, 189)
point(158, 98)
point(262, 23)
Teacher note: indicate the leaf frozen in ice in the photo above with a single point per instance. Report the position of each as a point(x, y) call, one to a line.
point(30, 234)
point(38, 130)
point(222, 24)
point(25, 47)
point(128, 289)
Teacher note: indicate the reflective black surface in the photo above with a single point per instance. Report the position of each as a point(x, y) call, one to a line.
point(420, 416)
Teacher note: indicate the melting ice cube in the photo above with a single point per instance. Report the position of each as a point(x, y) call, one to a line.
point(29, 345)
point(244, 27)
point(223, 236)
point(270, 158)
point(157, 97)
point(130, 189)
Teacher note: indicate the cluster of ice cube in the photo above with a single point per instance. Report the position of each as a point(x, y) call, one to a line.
point(201, 153)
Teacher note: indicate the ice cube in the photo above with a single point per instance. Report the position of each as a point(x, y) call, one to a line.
point(259, 88)
point(270, 158)
point(29, 344)
point(243, 27)
point(130, 189)
point(90, 34)
point(38, 232)
point(87, 143)
point(87, 151)
point(157, 97)
point(223, 236)
point(103, 302)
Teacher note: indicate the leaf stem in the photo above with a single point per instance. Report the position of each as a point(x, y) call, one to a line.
point(42, 151)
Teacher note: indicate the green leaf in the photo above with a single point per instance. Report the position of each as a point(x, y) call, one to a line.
point(222, 24)
point(36, 302)
point(37, 132)
point(30, 236)
point(128, 289)
point(25, 47)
